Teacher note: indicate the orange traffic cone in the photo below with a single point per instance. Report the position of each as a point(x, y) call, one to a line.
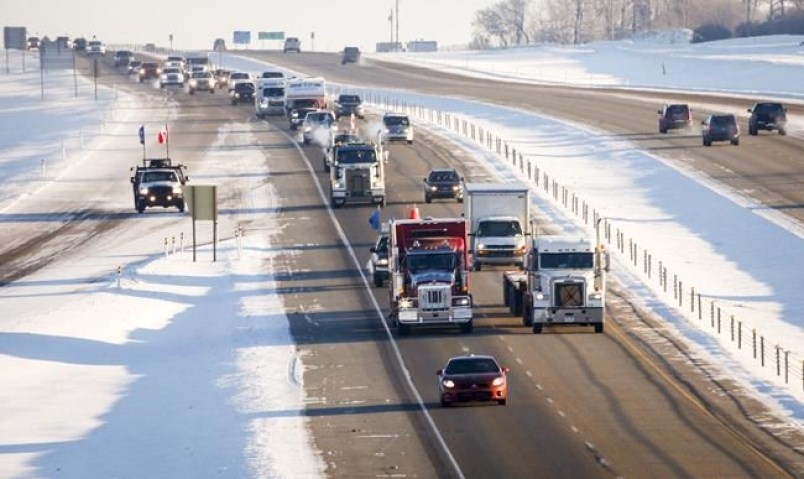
point(414, 213)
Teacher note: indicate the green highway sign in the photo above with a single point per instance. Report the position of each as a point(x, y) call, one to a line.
point(271, 36)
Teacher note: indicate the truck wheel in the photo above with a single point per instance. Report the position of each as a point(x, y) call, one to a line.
point(180, 206)
point(537, 328)
point(378, 281)
point(478, 266)
point(782, 131)
point(735, 141)
point(212, 91)
point(752, 131)
point(192, 92)
point(140, 206)
point(445, 403)
point(598, 328)
point(428, 199)
point(466, 328)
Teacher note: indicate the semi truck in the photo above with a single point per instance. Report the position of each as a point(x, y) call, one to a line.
point(429, 285)
point(564, 284)
point(270, 97)
point(499, 222)
point(357, 174)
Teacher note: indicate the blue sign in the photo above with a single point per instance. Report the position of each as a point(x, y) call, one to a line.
point(242, 38)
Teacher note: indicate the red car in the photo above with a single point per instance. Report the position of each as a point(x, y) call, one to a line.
point(472, 378)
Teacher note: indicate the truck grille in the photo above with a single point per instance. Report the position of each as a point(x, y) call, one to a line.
point(569, 295)
point(358, 182)
point(435, 298)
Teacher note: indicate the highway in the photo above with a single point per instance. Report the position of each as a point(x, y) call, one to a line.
point(580, 404)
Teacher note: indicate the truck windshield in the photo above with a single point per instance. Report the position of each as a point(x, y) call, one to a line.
point(566, 261)
point(356, 156)
point(499, 228)
point(431, 262)
point(153, 176)
point(273, 92)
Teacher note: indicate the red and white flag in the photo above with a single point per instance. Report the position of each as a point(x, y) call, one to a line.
point(162, 136)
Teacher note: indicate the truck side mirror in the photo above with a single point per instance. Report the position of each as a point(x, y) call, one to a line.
point(439, 372)
point(186, 178)
point(749, 110)
point(424, 180)
point(372, 249)
point(132, 179)
point(659, 111)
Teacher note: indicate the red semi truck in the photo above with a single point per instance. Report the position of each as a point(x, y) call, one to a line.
point(428, 261)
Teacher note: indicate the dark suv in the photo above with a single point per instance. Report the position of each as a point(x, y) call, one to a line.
point(243, 92)
point(767, 116)
point(720, 127)
point(675, 117)
point(348, 104)
point(443, 183)
point(149, 71)
point(350, 55)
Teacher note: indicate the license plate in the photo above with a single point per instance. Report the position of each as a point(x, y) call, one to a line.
point(569, 317)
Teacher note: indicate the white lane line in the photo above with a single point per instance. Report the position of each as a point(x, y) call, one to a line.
point(510, 349)
point(519, 361)
point(561, 413)
point(574, 429)
point(530, 374)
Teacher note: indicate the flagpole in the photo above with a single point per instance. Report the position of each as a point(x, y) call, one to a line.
point(167, 141)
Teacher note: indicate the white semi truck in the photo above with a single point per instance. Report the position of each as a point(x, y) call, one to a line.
point(499, 219)
point(564, 284)
point(270, 97)
point(357, 174)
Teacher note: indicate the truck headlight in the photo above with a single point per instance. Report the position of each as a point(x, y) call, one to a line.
point(143, 191)
point(433, 188)
point(481, 247)
point(460, 301)
point(540, 297)
point(382, 262)
point(448, 383)
point(596, 296)
point(456, 188)
point(519, 251)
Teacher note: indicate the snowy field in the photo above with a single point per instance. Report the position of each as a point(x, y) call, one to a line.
point(103, 382)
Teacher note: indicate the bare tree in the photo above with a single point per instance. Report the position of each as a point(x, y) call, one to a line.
point(489, 23)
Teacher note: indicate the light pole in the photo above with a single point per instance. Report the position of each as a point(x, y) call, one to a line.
point(170, 37)
point(397, 45)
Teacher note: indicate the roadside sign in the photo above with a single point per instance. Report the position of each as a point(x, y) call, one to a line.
point(203, 203)
point(271, 35)
point(14, 38)
point(242, 37)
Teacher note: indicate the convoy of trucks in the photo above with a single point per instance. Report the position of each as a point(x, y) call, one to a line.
point(428, 268)
point(499, 222)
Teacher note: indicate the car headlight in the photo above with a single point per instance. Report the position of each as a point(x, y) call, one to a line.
point(448, 383)
point(307, 129)
point(456, 188)
point(498, 381)
point(142, 71)
point(143, 191)
point(294, 114)
point(433, 188)
point(382, 262)
point(520, 250)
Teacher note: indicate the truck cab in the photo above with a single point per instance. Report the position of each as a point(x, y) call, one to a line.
point(270, 98)
point(158, 182)
point(357, 174)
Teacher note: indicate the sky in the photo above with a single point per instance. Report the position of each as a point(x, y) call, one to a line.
point(195, 25)
point(71, 324)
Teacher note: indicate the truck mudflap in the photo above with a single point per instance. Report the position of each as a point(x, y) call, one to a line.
point(539, 317)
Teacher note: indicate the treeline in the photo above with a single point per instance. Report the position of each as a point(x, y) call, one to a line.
point(521, 22)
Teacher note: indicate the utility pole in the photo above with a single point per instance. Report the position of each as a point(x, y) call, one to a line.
point(391, 23)
point(396, 45)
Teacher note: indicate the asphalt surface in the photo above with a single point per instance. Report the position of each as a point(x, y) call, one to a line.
point(580, 404)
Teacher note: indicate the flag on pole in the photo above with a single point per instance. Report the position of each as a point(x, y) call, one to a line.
point(375, 218)
point(142, 134)
point(162, 136)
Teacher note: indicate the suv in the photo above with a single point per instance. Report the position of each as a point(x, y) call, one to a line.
point(443, 183)
point(350, 55)
point(767, 116)
point(315, 122)
point(149, 71)
point(397, 127)
point(80, 44)
point(158, 183)
point(243, 92)
point(292, 44)
point(720, 127)
point(345, 105)
point(122, 58)
point(675, 117)
point(379, 259)
point(203, 81)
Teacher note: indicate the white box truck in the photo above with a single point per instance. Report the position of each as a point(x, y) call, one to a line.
point(499, 219)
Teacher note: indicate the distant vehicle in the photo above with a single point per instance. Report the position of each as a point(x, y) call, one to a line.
point(272, 74)
point(158, 183)
point(173, 64)
point(674, 117)
point(238, 77)
point(350, 55)
point(134, 67)
point(472, 378)
point(767, 116)
point(171, 76)
point(203, 81)
point(221, 77)
point(33, 43)
point(196, 61)
point(149, 71)
point(150, 47)
point(95, 47)
point(720, 127)
point(219, 45)
point(80, 44)
point(292, 44)
point(397, 127)
point(318, 122)
point(242, 93)
point(122, 58)
point(443, 183)
point(345, 105)
point(379, 259)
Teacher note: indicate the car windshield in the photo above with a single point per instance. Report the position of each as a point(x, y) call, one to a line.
point(431, 262)
point(566, 260)
point(444, 177)
point(135, 63)
point(94, 44)
point(677, 110)
point(152, 176)
point(353, 156)
point(123, 53)
point(272, 75)
point(472, 366)
point(239, 76)
point(273, 92)
point(499, 228)
point(171, 70)
point(319, 118)
point(349, 99)
point(150, 65)
point(397, 120)
point(768, 108)
point(244, 86)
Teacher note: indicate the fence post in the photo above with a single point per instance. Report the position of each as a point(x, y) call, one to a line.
point(762, 350)
point(718, 320)
point(700, 309)
point(739, 335)
point(732, 328)
point(778, 360)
